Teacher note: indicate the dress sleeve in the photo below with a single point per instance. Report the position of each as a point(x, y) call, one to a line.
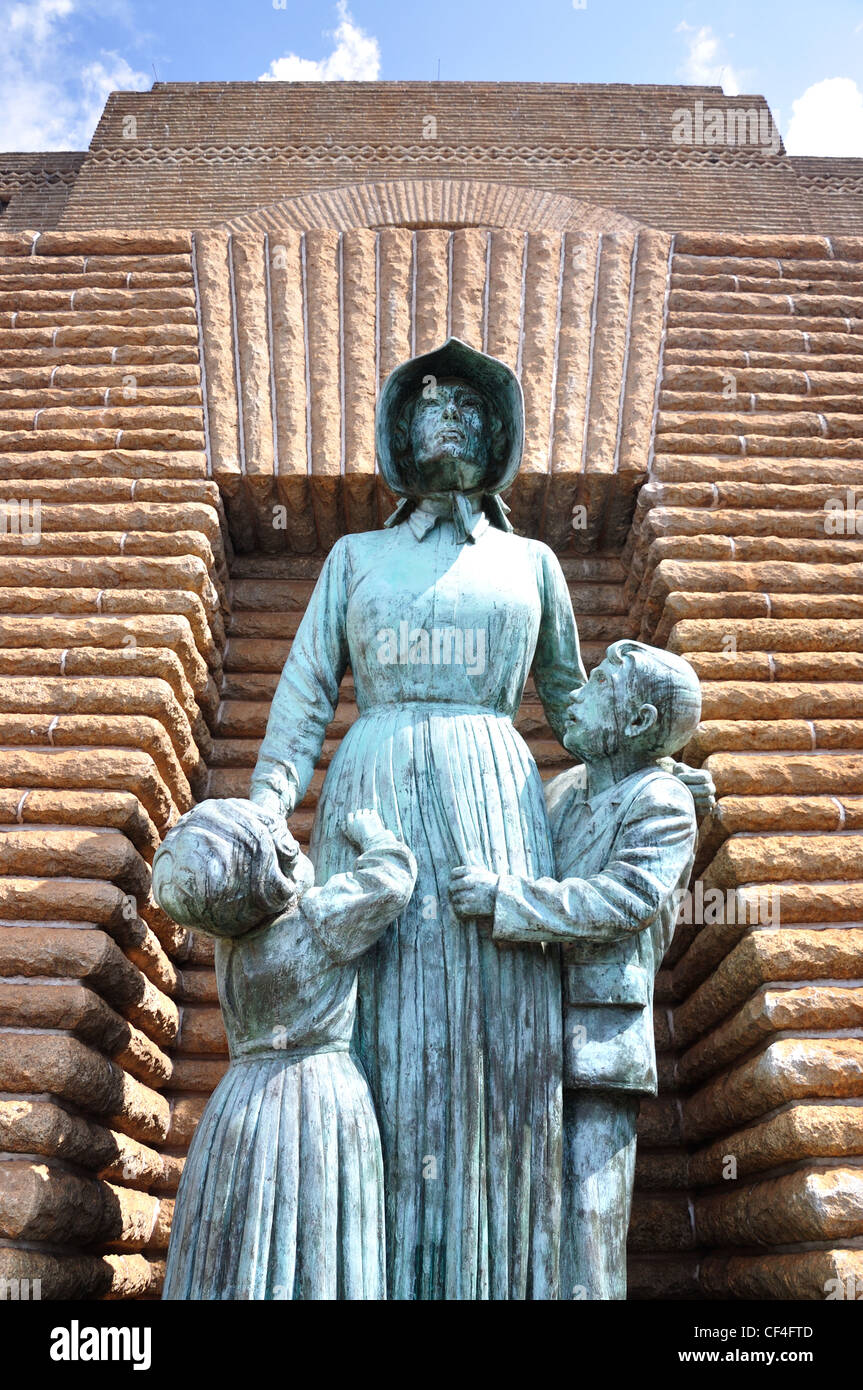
point(649, 857)
point(557, 664)
point(308, 690)
point(350, 911)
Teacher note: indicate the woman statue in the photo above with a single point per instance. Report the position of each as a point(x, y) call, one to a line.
point(441, 616)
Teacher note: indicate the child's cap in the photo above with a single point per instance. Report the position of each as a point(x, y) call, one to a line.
point(222, 870)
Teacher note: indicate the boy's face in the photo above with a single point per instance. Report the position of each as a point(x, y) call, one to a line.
point(599, 711)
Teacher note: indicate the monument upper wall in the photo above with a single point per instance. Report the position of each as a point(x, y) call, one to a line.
point(201, 154)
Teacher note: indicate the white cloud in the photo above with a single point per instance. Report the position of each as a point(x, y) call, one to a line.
point(52, 96)
point(98, 81)
point(704, 66)
point(34, 21)
point(356, 57)
point(827, 119)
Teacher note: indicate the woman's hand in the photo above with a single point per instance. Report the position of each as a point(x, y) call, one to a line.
point(697, 779)
point(271, 806)
point(473, 891)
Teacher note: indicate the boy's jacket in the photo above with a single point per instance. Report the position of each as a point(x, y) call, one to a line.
point(620, 858)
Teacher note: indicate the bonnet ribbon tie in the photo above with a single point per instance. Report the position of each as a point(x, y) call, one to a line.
point(460, 513)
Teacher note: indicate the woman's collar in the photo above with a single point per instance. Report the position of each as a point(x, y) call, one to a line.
point(441, 503)
point(465, 511)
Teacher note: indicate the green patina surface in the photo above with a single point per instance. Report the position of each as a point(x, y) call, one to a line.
point(520, 964)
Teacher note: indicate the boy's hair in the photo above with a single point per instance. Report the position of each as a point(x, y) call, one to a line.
point(222, 870)
point(667, 682)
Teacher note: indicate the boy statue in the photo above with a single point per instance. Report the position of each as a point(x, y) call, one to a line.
point(624, 832)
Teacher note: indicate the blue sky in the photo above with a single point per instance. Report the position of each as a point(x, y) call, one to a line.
point(60, 58)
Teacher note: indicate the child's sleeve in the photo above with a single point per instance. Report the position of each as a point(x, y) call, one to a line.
point(650, 855)
point(351, 910)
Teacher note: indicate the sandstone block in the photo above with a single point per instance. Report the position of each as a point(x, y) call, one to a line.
point(43, 1203)
point(89, 955)
point(65, 1067)
point(810, 1274)
point(814, 1204)
point(63, 1277)
point(77, 1010)
point(44, 1127)
point(804, 1129)
point(770, 1011)
point(786, 1070)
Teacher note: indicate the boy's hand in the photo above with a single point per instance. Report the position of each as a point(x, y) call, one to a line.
point(473, 891)
point(697, 779)
point(361, 827)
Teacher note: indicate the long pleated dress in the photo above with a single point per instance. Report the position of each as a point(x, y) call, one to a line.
point(460, 1039)
point(281, 1195)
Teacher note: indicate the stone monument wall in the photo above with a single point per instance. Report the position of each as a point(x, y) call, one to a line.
point(113, 564)
point(185, 428)
point(745, 555)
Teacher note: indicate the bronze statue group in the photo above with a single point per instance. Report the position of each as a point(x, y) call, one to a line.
point(440, 1021)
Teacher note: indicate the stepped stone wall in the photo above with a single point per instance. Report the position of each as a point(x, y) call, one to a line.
point(161, 392)
point(113, 564)
point(738, 559)
point(34, 187)
point(242, 145)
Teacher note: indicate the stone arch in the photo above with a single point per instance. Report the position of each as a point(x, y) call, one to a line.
point(307, 304)
point(444, 203)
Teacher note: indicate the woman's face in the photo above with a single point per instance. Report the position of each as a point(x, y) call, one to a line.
point(449, 437)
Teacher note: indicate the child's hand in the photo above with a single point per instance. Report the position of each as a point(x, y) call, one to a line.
point(363, 826)
point(473, 891)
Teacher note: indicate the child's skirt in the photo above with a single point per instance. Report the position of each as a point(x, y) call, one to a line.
point(282, 1193)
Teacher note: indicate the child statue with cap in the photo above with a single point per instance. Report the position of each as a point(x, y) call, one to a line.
point(281, 1195)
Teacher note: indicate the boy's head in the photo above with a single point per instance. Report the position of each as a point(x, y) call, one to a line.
point(226, 868)
point(639, 699)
